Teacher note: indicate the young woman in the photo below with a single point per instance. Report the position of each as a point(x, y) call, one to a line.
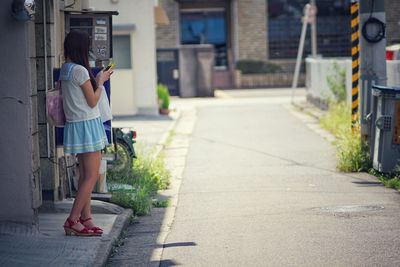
point(84, 133)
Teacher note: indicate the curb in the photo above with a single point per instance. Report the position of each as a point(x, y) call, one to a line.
point(163, 140)
point(107, 242)
point(308, 110)
point(170, 211)
point(221, 94)
point(304, 113)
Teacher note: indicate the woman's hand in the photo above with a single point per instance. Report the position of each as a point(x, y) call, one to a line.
point(103, 76)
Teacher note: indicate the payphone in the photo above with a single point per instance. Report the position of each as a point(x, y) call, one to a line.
point(98, 25)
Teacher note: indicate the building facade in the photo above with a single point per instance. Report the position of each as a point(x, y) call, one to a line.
point(134, 80)
point(392, 9)
point(236, 29)
point(285, 22)
point(262, 30)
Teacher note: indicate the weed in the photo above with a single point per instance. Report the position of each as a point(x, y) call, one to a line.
point(154, 170)
point(389, 180)
point(161, 203)
point(119, 242)
point(350, 149)
point(337, 119)
point(139, 185)
point(133, 219)
point(337, 83)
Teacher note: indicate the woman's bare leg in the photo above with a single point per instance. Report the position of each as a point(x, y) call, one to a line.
point(86, 211)
point(91, 164)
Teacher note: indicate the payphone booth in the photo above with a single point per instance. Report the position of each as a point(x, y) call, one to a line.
point(98, 24)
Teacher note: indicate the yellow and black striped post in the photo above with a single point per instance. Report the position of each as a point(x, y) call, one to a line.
point(355, 56)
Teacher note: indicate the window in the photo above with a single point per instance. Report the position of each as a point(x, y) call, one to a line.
point(206, 28)
point(284, 28)
point(122, 51)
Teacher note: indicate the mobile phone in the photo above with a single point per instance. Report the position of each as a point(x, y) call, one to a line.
point(111, 65)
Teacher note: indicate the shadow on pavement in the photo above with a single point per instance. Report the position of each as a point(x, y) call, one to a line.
point(167, 263)
point(368, 183)
point(180, 244)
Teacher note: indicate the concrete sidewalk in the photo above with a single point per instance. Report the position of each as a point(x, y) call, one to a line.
point(152, 131)
point(46, 245)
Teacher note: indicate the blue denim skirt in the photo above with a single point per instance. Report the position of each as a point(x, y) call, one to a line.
point(84, 136)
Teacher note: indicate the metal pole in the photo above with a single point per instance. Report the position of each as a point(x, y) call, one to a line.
point(300, 51)
point(355, 57)
point(314, 30)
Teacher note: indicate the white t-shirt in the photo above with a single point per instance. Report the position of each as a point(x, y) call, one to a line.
point(75, 106)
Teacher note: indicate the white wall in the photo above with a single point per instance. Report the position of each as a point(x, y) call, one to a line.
point(319, 69)
point(123, 101)
point(317, 72)
point(393, 72)
point(135, 93)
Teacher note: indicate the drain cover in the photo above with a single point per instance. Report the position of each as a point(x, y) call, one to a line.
point(352, 208)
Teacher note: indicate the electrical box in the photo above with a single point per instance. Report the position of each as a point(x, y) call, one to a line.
point(99, 27)
point(386, 156)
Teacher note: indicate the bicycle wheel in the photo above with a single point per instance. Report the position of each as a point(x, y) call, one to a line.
point(121, 156)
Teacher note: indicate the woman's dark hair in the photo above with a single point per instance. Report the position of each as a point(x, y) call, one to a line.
point(76, 48)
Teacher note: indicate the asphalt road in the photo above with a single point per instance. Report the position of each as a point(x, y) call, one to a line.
point(260, 189)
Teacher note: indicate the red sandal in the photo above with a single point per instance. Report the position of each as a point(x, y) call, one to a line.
point(71, 231)
point(96, 230)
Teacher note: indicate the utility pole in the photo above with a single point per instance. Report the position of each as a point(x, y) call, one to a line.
point(310, 17)
point(372, 62)
point(314, 43)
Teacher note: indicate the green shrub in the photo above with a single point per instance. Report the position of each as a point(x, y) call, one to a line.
point(139, 186)
point(163, 96)
point(154, 170)
point(257, 67)
point(351, 151)
point(337, 83)
point(337, 119)
point(351, 156)
point(389, 180)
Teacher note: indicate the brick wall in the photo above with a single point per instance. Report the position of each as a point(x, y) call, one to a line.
point(392, 9)
point(167, 35)
point(252, 28)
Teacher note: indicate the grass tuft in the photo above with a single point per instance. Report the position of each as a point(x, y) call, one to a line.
point(161, 203)
point(337, 119)
point(389, 180)
point(351, 155)
point(136, 188)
